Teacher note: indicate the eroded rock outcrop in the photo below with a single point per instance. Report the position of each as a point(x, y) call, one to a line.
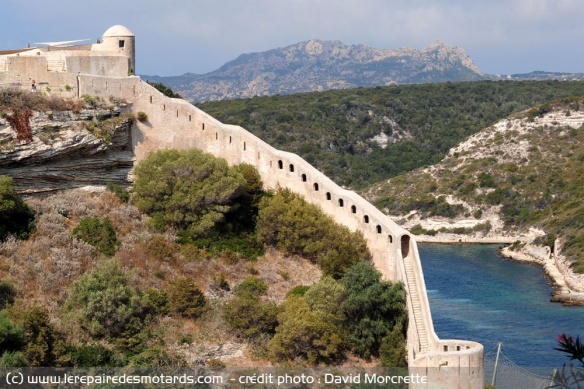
point(69, 150)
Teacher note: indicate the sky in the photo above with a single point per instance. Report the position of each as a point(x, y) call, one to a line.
point(174, 37)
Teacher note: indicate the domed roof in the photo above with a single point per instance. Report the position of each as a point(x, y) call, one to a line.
point(118, 30)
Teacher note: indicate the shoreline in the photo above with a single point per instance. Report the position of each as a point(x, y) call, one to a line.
point(567, 287)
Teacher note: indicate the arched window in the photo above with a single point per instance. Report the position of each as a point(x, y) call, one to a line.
point(353, 209)
point(291, 168)
point(328, 195)
point(280, 164)
point(378, 229)
point(366, 218)
point(304, 178)
point(341, 203)
point(315, 186)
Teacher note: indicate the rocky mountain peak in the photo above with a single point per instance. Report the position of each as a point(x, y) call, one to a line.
point(318, 65)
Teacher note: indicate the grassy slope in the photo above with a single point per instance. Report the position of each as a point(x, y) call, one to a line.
point(333, 130)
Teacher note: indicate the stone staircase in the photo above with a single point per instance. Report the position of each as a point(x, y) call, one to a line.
point(417, 318)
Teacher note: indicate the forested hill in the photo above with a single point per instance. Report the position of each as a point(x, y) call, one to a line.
point(521, 177)
point(361, 136)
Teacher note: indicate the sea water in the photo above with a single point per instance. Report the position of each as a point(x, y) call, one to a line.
point(476, 295)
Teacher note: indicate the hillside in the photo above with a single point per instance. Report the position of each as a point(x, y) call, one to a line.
point(517, 180)
point(362, 136)
point(322, 65)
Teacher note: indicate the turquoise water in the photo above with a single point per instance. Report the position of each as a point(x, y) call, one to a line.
point(476, 295)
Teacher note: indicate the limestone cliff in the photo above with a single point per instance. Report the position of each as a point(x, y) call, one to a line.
point(69, 150)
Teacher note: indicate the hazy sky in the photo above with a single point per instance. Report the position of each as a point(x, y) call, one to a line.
point(178, 36)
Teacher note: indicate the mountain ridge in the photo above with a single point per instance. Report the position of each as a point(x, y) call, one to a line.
point(318, 65)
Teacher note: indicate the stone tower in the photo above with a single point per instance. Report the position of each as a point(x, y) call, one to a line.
point(120, 39)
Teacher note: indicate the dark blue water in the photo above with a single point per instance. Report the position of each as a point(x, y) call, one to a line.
point(476, 295)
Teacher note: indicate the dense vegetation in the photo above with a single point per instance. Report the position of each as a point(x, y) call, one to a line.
point(333, 130)
point(531, 173)
point(120, 288)
point(16, 218)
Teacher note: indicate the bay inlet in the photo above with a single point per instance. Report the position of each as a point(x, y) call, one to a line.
point(476, 295)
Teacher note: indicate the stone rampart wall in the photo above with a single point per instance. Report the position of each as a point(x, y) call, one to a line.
point(175, 123)
point(56, 72)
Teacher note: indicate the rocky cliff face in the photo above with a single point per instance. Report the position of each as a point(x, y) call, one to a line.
point(69, 150)
point(321, 65)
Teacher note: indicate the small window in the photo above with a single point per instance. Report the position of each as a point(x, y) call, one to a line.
point(378, 229)
point(315, 187)
point(121, 43)
point(390, 238)
point(280, 164)
point(341, 203)
point(150, 99)
point(244, 148)
point(203, 127)
point(189, 118)
point(304, 178)
point(353, 209)
point(291, 168)
point(328, 195)
point(216, 135)
point(229, 139)
point(366, 218)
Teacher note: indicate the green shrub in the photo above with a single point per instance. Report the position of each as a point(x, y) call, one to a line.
point(304, 333)
point(11, 335)
point(155, 302)
point(246, 245)
point(165, 90)
point(374, 306)
point(251, 318)
point(188, 190)
point(91, 355)
point(16, 218)
point(287, 222)
point(185, 299)
point(393, 350)
point(103, 301)
point(13, 359)
point(121, 192)
point(141, 116)
point(98, 233)
point(298, 291)
point(40, 336)
point(251, 287)
point(7, 293)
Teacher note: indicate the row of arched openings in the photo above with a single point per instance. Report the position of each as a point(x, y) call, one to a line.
point(315, 186)
point(329, 197)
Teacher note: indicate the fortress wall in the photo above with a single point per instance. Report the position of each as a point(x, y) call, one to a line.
point(175, 123)
point(58, 69)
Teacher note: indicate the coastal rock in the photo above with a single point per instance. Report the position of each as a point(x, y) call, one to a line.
point(64, 154)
